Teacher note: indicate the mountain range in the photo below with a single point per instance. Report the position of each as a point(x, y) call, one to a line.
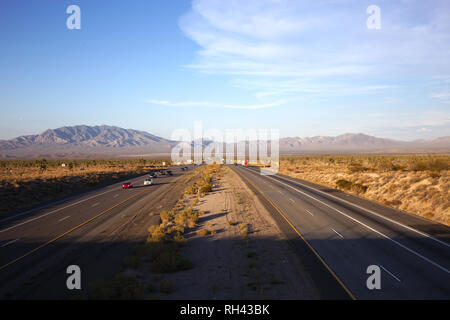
point(110, 141)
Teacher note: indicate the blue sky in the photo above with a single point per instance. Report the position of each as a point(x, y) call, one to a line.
point(305, 67)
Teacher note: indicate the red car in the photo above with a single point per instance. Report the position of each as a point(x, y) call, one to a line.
point(127, 185)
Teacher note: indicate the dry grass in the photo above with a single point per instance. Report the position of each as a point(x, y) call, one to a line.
point(203, 183)
point(28, 183)
point(120, 287)
point(415, 184)
point(243, 229)
point(160, 254)
point(205, 232)
point(164, 240)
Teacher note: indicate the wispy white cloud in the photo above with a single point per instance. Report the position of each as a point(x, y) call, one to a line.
point(318, 40)
point(291, 50)
point(441, 95)
point(272, 87)
point(423, 120)
point(215, 105)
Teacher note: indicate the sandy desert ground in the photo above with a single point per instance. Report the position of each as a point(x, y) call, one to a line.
point(415, 184)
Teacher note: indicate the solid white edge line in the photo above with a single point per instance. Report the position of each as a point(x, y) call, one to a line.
point(340, 235)
point(372, 212)
point(369, 211)
point(368, 227)
point(12, 241)
point(390, 273)
point(53, 211)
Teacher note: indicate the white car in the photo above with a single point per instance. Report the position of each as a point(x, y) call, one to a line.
point(148, 182)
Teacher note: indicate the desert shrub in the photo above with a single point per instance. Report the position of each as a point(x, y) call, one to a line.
point(204, 189)
point(418, 165)
point(356, 167)
point(186, 218)
point(166, 215)
point(393, 202)
point(175, 233)
point(243, 229)
point(205, 232)
point(436, 164)
point(178, 237)
point(359, 187)
point(93, 181)
point(191, 190)
point(343, 184)
point(348, 185)
point(133, 261)
point(439, 164)
point(155, 250)
point(120, 287)
point(434, 174)
point(170, 261)
point(175, 229)
point(207, 179)
point(156, 234)
point(179, 205)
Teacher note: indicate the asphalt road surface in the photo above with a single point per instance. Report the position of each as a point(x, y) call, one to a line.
point(348, 234)
point(88, 230)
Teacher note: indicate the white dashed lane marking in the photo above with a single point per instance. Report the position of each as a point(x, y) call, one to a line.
point(8, 243)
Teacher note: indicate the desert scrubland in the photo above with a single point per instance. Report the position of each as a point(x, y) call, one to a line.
point(418, 184)
point(27, 183)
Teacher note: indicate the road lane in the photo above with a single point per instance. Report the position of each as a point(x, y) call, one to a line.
point(99, 246)
point(412, 255)
point(46, 225)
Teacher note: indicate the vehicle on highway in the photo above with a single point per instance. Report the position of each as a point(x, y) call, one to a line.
point(169, 172)
point(162, 172)
point(148, 182)
point(127, 185)
point(152, 174)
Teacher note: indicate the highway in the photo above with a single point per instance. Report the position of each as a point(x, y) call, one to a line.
point(36, 247)
point(348, 234)
point(343, 234)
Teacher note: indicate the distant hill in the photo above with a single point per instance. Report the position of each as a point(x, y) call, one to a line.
point(109, 141)
point(84, 140)
point(348, 140)
point(359, 142)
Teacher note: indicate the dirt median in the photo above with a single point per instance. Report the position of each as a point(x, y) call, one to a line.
point(236, 251)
